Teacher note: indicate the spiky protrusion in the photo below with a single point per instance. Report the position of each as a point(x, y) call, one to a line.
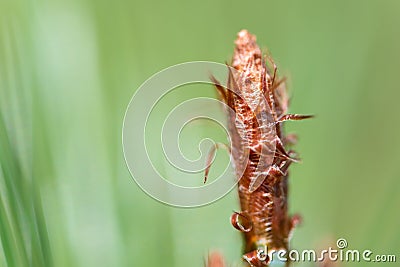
point(259, 100)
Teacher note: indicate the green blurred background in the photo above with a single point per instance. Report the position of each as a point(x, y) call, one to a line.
point(69, 68)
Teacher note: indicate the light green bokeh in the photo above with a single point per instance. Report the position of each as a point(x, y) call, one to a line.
point(69, 68)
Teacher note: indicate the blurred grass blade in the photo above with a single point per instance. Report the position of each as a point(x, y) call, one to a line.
point(22, 226)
